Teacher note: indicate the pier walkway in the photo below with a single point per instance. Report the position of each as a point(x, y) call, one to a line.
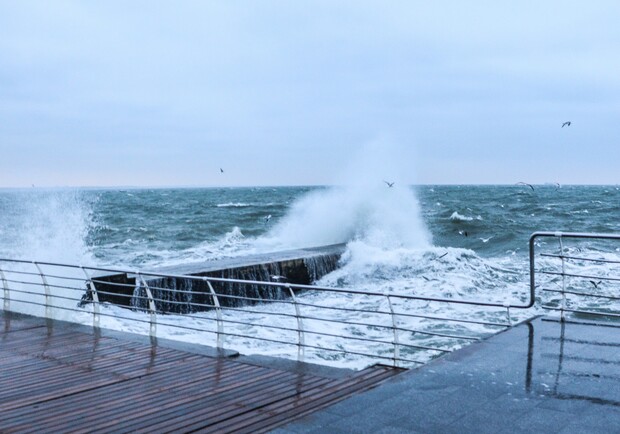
point(543, 376)
point(540, 376)
point(62, 377)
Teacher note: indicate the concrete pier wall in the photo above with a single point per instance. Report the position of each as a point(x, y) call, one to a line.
point(179, 295)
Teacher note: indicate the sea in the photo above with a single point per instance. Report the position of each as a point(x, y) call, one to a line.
point(450, 241)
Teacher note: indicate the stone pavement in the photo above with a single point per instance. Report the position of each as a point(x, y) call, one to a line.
point(541, 376)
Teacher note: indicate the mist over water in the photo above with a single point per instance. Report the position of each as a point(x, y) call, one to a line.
point(361, 207)
point(467, 242)
point(453, 242)
point(148, 228)
point(378, 216)
point(47, 225)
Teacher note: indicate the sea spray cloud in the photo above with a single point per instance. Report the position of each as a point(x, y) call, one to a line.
point(52, 225)
point(46, 226)
point(360, 207)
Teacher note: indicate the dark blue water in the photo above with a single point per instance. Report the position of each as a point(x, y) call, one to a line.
point(145, 227)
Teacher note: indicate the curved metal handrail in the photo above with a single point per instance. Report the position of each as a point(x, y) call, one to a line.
point(563, 274)
point(281, 285)
point(349, 317)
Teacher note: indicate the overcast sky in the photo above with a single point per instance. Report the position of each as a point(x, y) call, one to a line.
point(150, 93)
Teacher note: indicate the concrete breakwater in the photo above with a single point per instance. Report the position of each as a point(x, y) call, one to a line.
point(186, 295)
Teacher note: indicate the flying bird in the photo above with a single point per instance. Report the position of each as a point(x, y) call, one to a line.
point(596, 284)
point(221, 170)
point(267, 218)
point(566, 124)
point(525, 183)
point(389, 184)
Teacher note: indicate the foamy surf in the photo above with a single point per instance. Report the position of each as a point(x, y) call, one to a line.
point(400, 240)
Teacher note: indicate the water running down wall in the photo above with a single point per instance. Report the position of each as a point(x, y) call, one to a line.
point(178, 295)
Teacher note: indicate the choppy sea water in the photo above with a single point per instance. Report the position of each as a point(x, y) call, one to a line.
point(467, 242)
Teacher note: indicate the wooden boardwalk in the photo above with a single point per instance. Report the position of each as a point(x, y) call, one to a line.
point(59, 378)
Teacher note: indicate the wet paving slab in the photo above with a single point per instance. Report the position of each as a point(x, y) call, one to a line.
point(540, 376)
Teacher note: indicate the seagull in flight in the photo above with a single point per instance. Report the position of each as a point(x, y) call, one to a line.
point(221, 170)
point(566, 124)
point(389, 184)
point(267, 218)
point(525, 183)
point(596, 284)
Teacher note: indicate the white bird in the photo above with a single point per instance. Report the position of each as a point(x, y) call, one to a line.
point(268, 218)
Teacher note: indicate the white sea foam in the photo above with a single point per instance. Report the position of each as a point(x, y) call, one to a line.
point(361, 207)
point(233, 205)
point(233, 243)
point(462, 218)
point(51, 226)
point(341, 214)
point(436, 272)
point(46, 226)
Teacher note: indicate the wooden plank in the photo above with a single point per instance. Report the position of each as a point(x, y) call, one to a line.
point(213, 398)
point(79, 403)
point(11, 322)
point(237, 406)
point(61, 379)
point(112, 405)
point(33, 340)
point(226, 404)
point(112, 401)
point(257, 413)
point(157, 390)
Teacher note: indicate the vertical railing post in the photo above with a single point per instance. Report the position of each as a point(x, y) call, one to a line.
point(152, 307)
point(395, 331)
point(95, 296)
point(48, 295)
point(563, 307)
point(532, 270)
point(507, 306)
point(218, 313)
point(301, 344)
point(7, 295)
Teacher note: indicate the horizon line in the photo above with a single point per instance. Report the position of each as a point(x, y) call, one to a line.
point(180, 187)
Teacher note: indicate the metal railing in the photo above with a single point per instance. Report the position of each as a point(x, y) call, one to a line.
point(579, 272)
point(331, 323)
point(574, 273)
